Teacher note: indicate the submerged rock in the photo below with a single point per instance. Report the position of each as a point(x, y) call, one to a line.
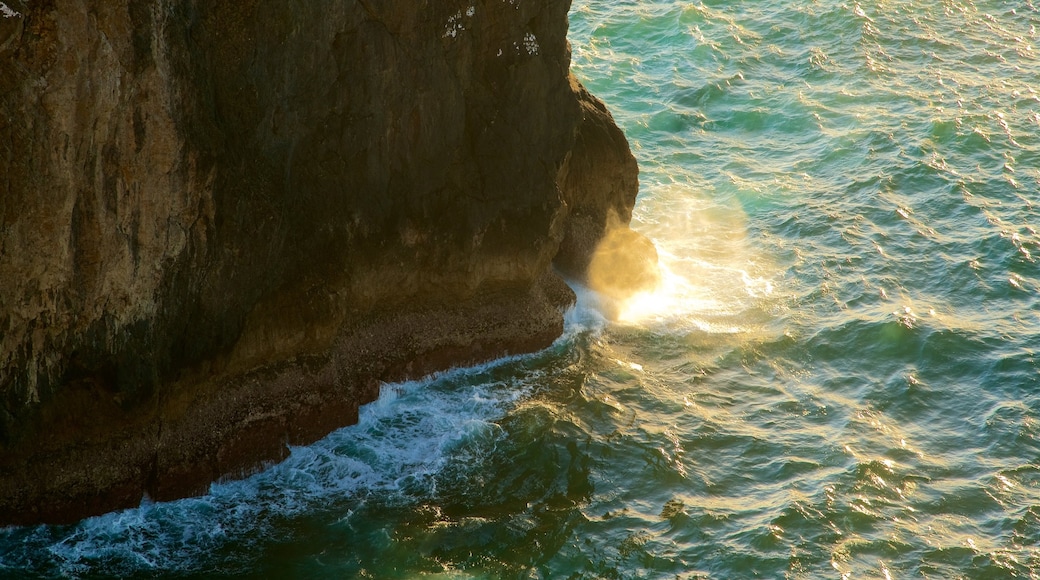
point(223, 224)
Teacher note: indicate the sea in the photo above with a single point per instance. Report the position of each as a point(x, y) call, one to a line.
point(837, 377)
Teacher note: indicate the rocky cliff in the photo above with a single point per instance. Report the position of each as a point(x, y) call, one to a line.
point(223, 224)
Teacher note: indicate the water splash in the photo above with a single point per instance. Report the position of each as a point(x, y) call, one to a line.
point(397, 454)
point(713, 279)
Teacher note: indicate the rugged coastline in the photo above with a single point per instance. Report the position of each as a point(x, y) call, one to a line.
point(224, 224)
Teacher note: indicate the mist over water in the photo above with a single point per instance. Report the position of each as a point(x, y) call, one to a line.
point(837, 377)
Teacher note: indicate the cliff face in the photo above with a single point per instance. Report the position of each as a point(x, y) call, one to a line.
point(222, 224)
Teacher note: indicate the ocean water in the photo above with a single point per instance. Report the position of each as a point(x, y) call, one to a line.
point(837, 379)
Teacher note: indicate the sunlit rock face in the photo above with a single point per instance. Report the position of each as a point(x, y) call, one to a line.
point(223, 224)
point(600, 183)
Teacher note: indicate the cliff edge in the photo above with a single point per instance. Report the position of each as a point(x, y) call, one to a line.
point(223, 224)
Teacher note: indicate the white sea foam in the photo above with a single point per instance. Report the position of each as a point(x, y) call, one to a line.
point(395, 454)
point(712, 279)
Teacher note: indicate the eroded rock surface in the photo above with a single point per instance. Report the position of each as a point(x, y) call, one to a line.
point(223, 224)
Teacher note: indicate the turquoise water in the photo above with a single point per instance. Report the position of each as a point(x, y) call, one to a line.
point(837, 379)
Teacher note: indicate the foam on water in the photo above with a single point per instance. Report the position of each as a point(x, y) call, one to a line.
point(712, 278)
point(864, 160)
point(396, 454)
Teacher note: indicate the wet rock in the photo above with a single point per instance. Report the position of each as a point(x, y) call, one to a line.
point(600, 183)
point(223, 224)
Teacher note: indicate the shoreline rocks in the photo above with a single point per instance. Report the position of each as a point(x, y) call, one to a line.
point(222, 225)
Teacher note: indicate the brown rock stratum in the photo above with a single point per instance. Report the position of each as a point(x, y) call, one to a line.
point(224, 224)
